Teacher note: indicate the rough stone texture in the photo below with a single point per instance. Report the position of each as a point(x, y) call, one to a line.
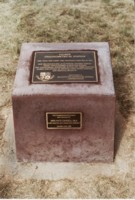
point(95, 142)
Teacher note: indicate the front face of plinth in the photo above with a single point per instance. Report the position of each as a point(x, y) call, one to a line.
point(63, 121)
point(93, 142)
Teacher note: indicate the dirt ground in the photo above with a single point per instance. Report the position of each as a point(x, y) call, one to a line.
point(69, 21)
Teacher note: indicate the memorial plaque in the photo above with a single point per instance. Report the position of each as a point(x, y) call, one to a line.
point(64, 120)
point(65, 66)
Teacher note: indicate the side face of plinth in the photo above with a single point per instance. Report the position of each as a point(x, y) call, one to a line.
point(94, 141)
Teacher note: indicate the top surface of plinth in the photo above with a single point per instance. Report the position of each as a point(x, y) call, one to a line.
point(23, 85)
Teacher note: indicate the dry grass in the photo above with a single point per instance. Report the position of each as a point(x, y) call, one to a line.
point(101, 187)
point(68, 21)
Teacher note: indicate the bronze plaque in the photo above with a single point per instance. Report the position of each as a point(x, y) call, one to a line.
point(64, 120)
point(65, 66)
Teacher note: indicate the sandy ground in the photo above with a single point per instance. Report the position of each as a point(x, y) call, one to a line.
point(55, 21)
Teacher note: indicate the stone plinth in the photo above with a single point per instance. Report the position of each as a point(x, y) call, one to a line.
point(96, 101)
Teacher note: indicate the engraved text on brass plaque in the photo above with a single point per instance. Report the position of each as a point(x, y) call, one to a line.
point(65, 66)
point(64, 120)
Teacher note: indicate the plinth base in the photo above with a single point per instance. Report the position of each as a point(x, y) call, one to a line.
point(94, 141)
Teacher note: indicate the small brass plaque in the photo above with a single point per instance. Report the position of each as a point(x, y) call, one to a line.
point(64, 120)
point(65, 66)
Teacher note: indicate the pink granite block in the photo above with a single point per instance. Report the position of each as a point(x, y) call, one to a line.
point(95, 141)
